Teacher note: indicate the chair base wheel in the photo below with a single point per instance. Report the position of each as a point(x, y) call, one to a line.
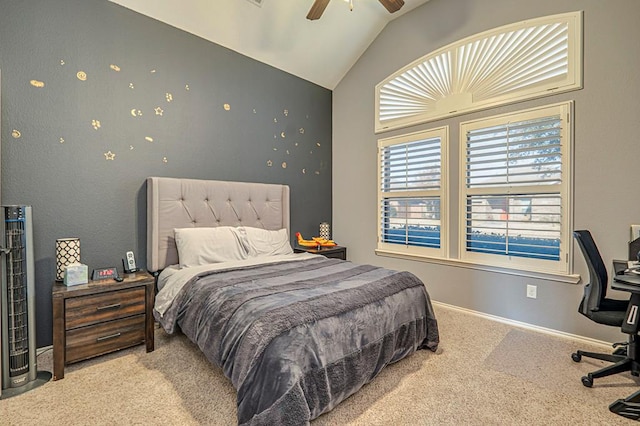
point(622, 350)
point(587, 381)
point(576, 357)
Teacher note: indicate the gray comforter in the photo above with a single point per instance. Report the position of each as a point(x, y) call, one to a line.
point(297, 338)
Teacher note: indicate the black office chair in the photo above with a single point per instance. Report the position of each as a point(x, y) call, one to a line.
point(598, 308)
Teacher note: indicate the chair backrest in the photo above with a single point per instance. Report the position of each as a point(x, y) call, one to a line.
point(596, 290)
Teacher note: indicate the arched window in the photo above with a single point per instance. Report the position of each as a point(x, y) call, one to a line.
point(525, 60)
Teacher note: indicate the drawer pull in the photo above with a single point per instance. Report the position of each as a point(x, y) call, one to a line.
point(114, 306)
point(111, 336)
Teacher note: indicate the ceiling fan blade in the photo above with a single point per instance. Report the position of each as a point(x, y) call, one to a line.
point(317, 9)
point(392, 5)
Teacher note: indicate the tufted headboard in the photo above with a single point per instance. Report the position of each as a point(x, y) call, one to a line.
point(182, 203)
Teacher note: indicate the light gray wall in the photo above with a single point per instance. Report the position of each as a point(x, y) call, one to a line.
point(607, 171)
point(58, 166)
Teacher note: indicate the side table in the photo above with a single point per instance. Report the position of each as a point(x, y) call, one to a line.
point(101, 317)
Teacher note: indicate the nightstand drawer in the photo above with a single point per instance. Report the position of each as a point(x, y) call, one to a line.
point(86, 342)
point(95, 308)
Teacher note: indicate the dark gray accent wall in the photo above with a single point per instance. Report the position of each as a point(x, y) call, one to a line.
point(95, 98)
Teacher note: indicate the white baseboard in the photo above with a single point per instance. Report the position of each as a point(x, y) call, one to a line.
point(40, 351)
point(507, 321)
point(586, 340)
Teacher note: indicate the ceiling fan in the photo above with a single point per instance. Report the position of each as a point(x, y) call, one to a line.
point(319, 5)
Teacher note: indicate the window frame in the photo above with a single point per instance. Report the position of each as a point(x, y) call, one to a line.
point(398, 249)
point(561, 266)
point(438, 85)
point(453, 220)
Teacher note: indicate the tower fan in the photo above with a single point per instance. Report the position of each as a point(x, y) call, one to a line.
point(17, 309)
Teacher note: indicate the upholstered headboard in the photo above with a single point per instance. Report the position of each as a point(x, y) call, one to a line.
point(182, 203)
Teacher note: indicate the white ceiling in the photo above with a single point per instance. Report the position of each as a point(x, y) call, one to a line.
point(278, 33)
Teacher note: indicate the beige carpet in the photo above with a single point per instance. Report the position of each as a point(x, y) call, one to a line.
point(485, 373)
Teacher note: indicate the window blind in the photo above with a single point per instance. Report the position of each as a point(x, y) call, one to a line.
point(410, 193)
point(514, 177)
point(523, 60)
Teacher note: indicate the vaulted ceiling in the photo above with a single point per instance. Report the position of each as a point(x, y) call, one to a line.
point(277, 32)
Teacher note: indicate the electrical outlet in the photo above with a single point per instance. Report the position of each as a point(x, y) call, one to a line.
point(532, 291)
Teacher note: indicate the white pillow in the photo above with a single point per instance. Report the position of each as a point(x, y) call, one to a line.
point(262, 242)
point(200, 246)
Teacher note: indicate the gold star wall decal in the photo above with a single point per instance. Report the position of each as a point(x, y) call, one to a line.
point(110, 156)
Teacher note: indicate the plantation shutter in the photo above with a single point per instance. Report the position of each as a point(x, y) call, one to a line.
point(410, 192)
point(514, 188)
point(524, 60)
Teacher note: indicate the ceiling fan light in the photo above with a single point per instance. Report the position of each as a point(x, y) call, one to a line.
point(318, 6)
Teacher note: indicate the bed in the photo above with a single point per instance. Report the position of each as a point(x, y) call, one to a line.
point(295, 333)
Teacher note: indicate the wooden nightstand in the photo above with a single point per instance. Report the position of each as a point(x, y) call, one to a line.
point(101, 317)
point(337, 252)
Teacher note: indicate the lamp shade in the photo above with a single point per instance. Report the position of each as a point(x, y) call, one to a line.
point(67, 252)
point(325, 230)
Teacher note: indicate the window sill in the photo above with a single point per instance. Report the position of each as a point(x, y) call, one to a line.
point(550, 276)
